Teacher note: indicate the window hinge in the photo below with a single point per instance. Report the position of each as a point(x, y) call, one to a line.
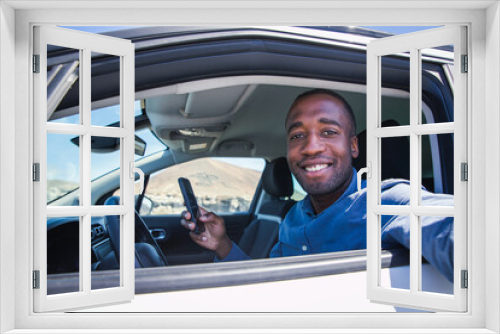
point(465, 64)
point(464, 171)
point(465, 279)
point(36, 63)
point(36, 172)
point(36, 279)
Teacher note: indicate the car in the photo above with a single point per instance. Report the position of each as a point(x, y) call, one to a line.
point(210, 106)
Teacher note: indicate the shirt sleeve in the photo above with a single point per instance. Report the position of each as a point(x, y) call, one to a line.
point(236, 254)
point(437, 235)
point(437, 240)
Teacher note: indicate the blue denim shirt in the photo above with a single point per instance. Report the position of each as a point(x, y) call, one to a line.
point(342, 226)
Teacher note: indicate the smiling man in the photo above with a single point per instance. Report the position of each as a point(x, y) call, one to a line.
point(321, 137)
point(321, 143)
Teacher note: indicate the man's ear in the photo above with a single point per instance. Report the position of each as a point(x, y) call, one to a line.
point(354, 147)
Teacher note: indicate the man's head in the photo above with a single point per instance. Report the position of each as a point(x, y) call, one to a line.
point(321, 142)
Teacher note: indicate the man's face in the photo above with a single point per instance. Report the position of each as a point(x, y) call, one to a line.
point(320, 148)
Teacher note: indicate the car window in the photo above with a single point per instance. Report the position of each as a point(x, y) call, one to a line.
point(222, 185)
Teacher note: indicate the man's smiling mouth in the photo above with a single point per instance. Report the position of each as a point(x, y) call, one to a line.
point(317, 167)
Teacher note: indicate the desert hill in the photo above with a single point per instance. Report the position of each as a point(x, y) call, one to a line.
point(209, 177)
point(219, 186)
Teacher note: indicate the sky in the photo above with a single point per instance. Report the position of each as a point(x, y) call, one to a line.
point(397, 30)
point(390, 29)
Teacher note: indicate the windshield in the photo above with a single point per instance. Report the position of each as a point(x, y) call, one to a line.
point(63, 153)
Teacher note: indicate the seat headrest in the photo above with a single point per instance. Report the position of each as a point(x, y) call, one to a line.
point(277, 179)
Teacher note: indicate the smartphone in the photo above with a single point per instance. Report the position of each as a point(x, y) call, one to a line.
point(191, 204)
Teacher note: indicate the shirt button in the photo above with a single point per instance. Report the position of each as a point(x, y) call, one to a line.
point(304, 248)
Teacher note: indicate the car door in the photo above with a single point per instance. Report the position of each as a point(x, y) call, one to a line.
point(176, 244)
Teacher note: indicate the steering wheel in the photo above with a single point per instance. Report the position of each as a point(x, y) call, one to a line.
point(147, 252)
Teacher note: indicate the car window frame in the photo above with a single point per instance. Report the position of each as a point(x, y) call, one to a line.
point(239, 281)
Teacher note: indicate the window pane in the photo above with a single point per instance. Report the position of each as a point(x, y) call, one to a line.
point(436, 241)
point(105, 85)
point(105, 260)
point(111, 114)
point(395, 74)
point(105, 158)
point(436, 77)
point(438, 167)
point(63, 88)
point(392, 227)
point(105, 116)
point(63, 169)
point(63, 254)
point(395, 164)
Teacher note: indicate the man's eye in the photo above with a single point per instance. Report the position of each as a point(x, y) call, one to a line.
point(330, 132)
point(296, 136)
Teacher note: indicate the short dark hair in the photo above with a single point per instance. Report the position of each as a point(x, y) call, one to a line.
point(345, 104)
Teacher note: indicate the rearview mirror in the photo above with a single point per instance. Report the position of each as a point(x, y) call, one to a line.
point(108, 144)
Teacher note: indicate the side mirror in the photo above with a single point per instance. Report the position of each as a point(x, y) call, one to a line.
point(107, 144)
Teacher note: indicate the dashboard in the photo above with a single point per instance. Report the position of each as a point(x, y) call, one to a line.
point(63, 244)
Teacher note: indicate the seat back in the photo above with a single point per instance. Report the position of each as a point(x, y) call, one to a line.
point(262, 233)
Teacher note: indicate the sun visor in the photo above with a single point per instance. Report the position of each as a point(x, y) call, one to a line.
point(212, 102)
point(234, 148)
point(196, 145)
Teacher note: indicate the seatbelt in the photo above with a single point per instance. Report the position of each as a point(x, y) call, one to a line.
point(138, 204)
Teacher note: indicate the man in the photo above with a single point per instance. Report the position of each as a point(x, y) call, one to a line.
point(321, 143)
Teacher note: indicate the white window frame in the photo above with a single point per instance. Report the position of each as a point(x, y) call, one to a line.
point(414, 43)
point(484, 101)
point(86, 43)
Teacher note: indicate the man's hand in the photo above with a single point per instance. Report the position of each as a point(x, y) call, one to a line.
point(214, 237)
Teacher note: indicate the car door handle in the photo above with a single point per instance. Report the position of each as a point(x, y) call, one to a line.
point(158, 233)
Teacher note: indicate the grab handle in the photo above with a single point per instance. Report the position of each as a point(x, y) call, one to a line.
point(362, 171)
point(133, 171)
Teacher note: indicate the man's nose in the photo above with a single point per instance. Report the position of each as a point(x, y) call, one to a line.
point(313, 145)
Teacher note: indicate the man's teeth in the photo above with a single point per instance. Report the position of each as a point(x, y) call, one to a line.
point(316, 167)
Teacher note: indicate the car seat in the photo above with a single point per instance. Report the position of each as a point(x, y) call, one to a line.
point(147, 252)
point(262, 233)
point(395, 155)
